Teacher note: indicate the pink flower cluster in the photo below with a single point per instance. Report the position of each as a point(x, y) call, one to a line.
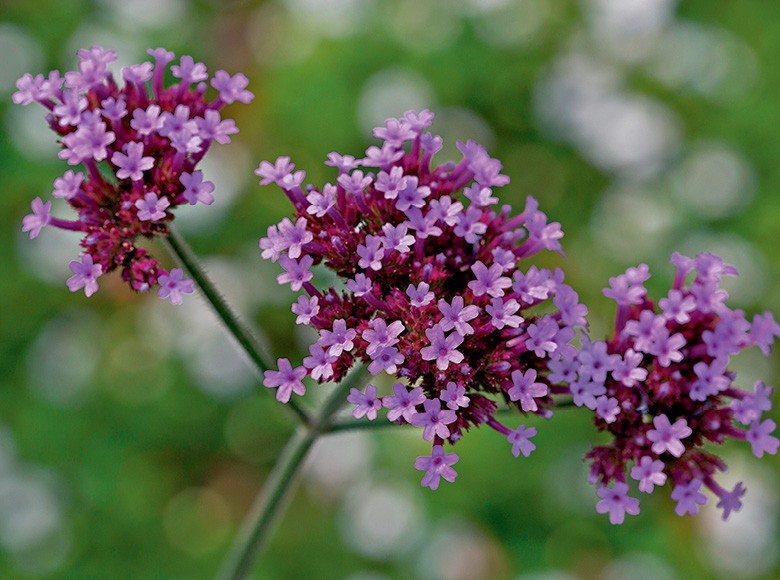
point(140, 144)
point(436, 290)
point(662, 389)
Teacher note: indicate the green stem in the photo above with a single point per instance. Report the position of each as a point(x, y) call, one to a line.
point(256, 528)
point(179, 248)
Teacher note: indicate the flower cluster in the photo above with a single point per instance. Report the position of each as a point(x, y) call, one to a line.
point(662, 389)
point(435, 294)
point(139, 144)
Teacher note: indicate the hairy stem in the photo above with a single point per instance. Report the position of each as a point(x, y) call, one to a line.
point(256, 528)
point(238, 330)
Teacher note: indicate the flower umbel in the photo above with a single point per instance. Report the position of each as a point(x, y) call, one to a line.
point(139, 144)
point(437, 291)
point(661, 387)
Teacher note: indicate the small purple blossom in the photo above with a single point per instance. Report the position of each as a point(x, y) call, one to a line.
point(437, 466)
point(232, 88)
point(454, 396)
point(760, 437)
point(525, 389)
point(339, 339)
point(38, 219)
point(403, 402)
point(444, 350)
point(434, 420)
point(150, 208)
point(649, 473)
point(366, 403)
point(67, 186)
point(420, 295)
point(617, 503)
point(489, 280)
point(296, 272)
point(286, 380)
point(667, 436)
point(306, 308)
point(688, 497)
point(85, 275)
point(196, 189)
point(173, 286)
point(521, 442)
point(731, 501)
point(132, 163)
point(456, 316)
point(503, 313)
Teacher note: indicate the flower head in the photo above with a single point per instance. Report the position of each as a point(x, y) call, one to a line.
point(664, 374)
point(438, 290)
point(150, 137)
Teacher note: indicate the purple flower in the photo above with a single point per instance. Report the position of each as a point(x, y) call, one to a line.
point(196, 189)
point(211, 126)
point(520, 439)
point(648, 473)
point(596, 362)
point(760, 438)
point(173, 286)
point(503, 313)
point(752, 405)
point(525, 389)
point(666, 436)
point(391, 184)
point(355, 182)
point(420, 295)
point(731, 501)
point(133, 163)
point(85, 275)
point(624, 293)
point(320, 203)
point(457, 316)
point(293, 237)
point(339, 339)
point(443, 350)
point(344, 163)
point(396, 238)
point(379, 334)
point(408, 250)
point(617, 503)
point(763, 331)
point(607, 408)
point(454, 396)
point(434, 420)
point(371, 253)
point(387, 359)
point(366, 403)
point(287, 380)
point(676, 367)
point(150, 208)
point(360, 286)
point(688, 497)
point(306, 308)
point(320, 363)
point(232, 88)
point(296, 272)
point(542, 337)
point(38, 219)
point(627, 370)
point(189, 71)
point(274, 173)
point(147, 121)
point(489, 280)
point(67, 186)
point(153, 138)
point(403, 402)
point(438, 465)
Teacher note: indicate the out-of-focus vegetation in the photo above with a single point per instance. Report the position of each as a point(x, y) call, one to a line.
point(133, 437)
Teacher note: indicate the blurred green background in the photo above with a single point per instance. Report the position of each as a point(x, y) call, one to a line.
point(133, 437)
